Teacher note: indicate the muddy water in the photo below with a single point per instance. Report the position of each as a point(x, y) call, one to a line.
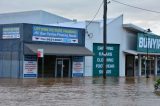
point(78, 92)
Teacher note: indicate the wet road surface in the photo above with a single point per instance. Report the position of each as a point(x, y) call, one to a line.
point(79, 92)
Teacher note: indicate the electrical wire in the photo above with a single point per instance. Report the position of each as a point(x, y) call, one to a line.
point(95, 15)
point(136, 7)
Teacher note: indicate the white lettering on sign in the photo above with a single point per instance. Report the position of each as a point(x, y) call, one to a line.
point(108, 48)
point(107, 71)
point(151, 43)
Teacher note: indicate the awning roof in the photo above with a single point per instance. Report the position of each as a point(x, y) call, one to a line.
point(136, 52)
point(57, 50)
point(130, 52)
point(133, 28)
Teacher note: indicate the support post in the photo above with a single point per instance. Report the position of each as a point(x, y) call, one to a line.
point(104, 39)
point(42, 67)
point(147, 62)
point(139, 65)
point(156, 66)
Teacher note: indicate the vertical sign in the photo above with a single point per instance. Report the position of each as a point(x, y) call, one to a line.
point(78, 66)
point(30, 67)
point(112, 59)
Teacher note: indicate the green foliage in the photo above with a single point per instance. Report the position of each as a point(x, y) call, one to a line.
point(157, 84)
point(158, 81)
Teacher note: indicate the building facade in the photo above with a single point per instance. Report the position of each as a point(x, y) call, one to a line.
point(131, 50)
point(124, 57)
point(32, 50)
point(127, 53)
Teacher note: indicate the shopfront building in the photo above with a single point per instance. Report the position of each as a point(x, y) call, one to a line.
point(126, 49)
point(32, 51)
point(145, 60)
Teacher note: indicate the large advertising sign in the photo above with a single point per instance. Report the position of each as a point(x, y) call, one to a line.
point(55, 34)
point(11, 32)
point(148, 43)
point(112, 59)
point(78, 66)
point(30, 67)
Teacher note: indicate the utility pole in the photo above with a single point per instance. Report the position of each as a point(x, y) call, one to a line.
point(147, 62)
point(104, 39)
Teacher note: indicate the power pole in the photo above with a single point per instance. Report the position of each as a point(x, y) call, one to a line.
point(104, 39)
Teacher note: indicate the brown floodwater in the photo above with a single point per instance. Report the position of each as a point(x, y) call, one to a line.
point(79, 92)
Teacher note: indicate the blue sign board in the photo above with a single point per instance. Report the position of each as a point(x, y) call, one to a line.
point(54, 34)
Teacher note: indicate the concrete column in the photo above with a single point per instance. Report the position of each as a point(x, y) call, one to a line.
point(155, 68)
point(139, 64)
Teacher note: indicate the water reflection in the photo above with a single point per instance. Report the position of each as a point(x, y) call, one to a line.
point(79, 92)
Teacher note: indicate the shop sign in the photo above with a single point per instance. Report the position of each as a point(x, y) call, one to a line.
point(40, 53)
point(30, 67)
point(11, 32)
point(148, 43)
point(112, 59)
point(78, 66)
point(55, 34)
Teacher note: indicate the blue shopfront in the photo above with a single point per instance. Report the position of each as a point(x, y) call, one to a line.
point(62, 51)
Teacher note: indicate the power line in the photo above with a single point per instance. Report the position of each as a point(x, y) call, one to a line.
point(95, 15)
point(136, 7)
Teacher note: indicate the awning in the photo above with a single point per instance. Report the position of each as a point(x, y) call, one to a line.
point(145, 53)
point(141, 53)
point(131, 52)
point(57, 50)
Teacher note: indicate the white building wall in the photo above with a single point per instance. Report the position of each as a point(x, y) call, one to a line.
point(92, 36)
point(115, 34)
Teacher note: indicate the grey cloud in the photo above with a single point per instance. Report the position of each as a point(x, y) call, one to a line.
point(86, 9)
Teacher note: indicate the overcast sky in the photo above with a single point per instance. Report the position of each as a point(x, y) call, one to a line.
point(86, 9)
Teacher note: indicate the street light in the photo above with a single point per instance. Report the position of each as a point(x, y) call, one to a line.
point(147, 73)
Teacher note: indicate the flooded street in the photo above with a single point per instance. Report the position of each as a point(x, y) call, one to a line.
point(78, 92)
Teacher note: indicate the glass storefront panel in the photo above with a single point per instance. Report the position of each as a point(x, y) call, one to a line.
point(148, 65)
point(158, 66)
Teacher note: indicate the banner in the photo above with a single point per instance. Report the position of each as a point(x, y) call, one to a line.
point(55, 34)
point(78, 66)
point(30, 67)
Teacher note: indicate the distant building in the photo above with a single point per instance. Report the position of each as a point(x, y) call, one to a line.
point(38, 50)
